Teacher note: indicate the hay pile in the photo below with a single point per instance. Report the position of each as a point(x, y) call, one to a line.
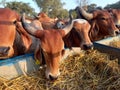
point(115, 44)
point(89, 71)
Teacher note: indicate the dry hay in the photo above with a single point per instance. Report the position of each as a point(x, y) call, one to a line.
point(89, 71)
point(115, 44)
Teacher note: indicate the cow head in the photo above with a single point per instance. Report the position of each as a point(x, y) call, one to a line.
point(78, 36)
point(115, 13)
point(24, 42)
point(83, 27)
point(43, 17)
point(101, 21)
point(7, 32)
point(52, 46)
point(46, 21)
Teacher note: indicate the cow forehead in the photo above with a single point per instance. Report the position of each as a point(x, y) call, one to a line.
point(80, 21)
point(52, 40)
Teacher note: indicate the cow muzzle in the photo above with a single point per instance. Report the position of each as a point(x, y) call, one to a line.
point(87, 46)
point(4, 51)
point(117, 32)
point(118, 26)
point(51, 76)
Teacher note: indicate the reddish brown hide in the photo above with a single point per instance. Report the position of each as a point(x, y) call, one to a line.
point(7, 32)
point(101, 22)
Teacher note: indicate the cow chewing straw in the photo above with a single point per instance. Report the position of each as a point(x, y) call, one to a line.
point(89, 71)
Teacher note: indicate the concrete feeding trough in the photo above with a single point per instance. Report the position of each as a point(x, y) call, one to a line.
point(104, 46)
point(16, 66)
point(13, 67)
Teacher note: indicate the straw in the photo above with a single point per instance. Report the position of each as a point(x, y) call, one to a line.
point(91, 71)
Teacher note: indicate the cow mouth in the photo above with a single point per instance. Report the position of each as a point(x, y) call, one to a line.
point(117, 31)
point(87, 46)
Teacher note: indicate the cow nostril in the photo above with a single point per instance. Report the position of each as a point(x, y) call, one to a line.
point(118, 26)
point(52, 77)
point(85, 47)
point(117, 32)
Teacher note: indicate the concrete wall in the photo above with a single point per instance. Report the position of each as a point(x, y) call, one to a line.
point(14, 67)
point(107, 41)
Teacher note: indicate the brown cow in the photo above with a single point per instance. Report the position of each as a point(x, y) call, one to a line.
point(17, 41)
point(7, 32)
point(115, 13)
point(102, 24)
point(78, 36)
point(52, 45)
point(24, 42)
point(47, 22)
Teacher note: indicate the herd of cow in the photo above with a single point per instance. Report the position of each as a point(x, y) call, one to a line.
point(48, 37)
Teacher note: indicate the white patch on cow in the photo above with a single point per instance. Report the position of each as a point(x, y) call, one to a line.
point(118, 22)
point(80, 21)
point(60, 25)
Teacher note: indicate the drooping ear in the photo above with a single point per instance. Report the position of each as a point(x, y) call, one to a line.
point(38, 55)
point(24, 35)
point(93, 31)
point(39, 34)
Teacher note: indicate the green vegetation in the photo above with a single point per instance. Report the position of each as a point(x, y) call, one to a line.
point(53, 8)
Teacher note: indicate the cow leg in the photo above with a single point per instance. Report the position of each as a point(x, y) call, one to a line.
point(4, 51)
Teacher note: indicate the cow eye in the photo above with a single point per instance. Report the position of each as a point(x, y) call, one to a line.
point(103, 18)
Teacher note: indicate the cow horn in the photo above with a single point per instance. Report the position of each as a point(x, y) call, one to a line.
point(87, 15)
point(28, 27)
point(68, 27)
point(36, 16)
point(70, 15)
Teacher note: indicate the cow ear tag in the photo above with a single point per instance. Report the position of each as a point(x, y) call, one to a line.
point(37, 62)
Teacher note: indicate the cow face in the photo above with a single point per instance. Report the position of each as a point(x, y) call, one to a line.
point(83, 28)
point(115, 13)
point(7, 32)
point(44, 18)
point(104, 22)
point(53, 47)
point(79, 38)
point(47, 22)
